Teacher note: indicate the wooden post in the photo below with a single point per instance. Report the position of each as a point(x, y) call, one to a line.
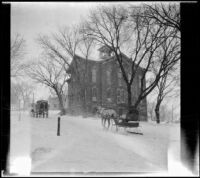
point(58, 128)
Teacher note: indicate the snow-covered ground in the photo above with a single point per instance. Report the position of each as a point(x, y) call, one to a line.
point(84, 146)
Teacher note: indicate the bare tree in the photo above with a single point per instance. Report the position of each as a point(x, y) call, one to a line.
point(170, 50)
point(165, 14)
point(164, 88)
point(49, 73)
point(21, 91)
point(15, 94)
point(63, 46)
point(117, 28)
point(17, 55)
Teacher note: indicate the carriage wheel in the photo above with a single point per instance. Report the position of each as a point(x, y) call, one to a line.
point(112, 124)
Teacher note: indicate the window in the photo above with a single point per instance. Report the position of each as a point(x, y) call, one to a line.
point(140, 77)
point(119, 74)
point(94, 94)
point(134, 90)
point(72, 98)
point(129, 76)
point(94, 75)
point(121, 96)
point(78, 97)
point(118, 96)
point(108, 94)
point(108, 76)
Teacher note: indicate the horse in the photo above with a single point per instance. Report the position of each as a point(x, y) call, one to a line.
point(106, 115)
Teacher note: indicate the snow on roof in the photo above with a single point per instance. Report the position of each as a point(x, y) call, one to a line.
point(104, 48)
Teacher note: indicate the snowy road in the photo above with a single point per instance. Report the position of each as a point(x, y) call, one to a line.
point(83, 147)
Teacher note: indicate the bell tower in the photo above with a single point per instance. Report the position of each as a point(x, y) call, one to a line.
point(104, 52)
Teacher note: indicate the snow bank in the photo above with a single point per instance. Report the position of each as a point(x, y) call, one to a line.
point(20, 141)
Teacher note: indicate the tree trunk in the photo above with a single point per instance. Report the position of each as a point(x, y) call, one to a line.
point(135, 108)
point(157, 112)
point(133, 113)
point(84, 103)
point(129, 97)
point(61, 105)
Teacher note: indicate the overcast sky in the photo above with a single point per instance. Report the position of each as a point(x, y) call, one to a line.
point(30, 19)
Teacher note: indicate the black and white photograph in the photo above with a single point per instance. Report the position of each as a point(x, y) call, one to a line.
point(95, 89)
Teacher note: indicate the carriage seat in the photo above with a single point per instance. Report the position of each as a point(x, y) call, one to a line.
point(132, 116)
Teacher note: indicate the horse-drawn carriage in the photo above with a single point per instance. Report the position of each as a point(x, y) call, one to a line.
point(40, 109)
point(111, 118)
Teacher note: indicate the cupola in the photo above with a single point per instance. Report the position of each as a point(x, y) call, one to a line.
point(105, 52)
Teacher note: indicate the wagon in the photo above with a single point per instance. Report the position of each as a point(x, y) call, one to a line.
point(130, 122)
point(40, 109)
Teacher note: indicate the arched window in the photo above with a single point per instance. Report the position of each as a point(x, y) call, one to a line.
point(129, 76)
point(94, 74)
point(94, 94)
